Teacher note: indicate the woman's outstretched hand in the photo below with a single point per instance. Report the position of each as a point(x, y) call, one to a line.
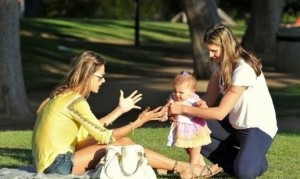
point(126, 104)
point(151, 115)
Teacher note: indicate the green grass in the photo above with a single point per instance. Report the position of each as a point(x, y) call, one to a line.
point(15, 148)
point(286, 101)
point(114, 39)
point(283, 156)
point(40, 39)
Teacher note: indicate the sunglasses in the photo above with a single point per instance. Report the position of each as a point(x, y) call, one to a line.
point(100, 77)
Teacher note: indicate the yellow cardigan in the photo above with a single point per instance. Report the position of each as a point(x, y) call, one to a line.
point(61, 123)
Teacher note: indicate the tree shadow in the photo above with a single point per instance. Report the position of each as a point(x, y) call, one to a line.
point(17, 154)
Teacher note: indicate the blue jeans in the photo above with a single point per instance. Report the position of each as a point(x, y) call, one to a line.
point(62, 164)
point(239, 152)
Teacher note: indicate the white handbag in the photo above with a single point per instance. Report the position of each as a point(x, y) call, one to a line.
point(122, 162)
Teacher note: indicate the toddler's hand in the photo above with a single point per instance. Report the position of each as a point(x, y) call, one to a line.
point(165, 109)
point(202, 104)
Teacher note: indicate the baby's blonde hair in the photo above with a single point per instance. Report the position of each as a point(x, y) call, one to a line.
point(186, 77)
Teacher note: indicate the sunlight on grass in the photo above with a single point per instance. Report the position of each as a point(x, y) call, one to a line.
point(286, 101)
point(284, 157)
point(15, 148)
point(41, 40)
point(285, 148)
point(15, 139)
point(98, 30)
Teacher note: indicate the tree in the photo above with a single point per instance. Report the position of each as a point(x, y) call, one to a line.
point(200, 14)
point(14, 105)
point(260, 36)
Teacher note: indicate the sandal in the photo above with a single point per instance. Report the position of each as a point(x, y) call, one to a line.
point(187, 173)
point(206, 172)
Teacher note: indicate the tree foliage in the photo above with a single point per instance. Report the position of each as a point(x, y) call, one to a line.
point(117, 9)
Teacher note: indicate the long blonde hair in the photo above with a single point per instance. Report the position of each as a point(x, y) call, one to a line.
point(232, 51)
point(78, 78)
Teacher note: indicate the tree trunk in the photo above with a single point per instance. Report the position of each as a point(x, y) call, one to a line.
point(201, 15)
point(260, 36)
point(14, 105)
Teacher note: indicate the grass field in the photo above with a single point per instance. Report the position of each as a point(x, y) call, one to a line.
point(283, 156)
point(48, 44)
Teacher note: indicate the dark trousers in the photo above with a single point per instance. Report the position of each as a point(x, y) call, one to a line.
point(239, 152)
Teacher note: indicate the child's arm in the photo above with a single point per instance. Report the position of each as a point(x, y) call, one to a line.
point(166, 109)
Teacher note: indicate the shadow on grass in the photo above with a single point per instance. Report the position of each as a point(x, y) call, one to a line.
point(15, 156)
point(294, 132)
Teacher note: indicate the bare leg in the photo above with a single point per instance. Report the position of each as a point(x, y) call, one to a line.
point(88, 154)
point(195, 156)
point(201, 160)
point(159, 161)
point(185, 169)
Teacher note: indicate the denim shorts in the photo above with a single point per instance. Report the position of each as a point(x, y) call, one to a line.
point(62, 164)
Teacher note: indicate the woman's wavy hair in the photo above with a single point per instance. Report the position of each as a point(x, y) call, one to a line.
point(232, 51)
point(77, 79)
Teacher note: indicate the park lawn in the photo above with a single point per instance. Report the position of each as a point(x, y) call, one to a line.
point(15, 146)
point(283, 156)
point(47, 46)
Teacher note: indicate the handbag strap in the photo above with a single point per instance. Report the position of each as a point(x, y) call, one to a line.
point(120, 159)
point(120, 156)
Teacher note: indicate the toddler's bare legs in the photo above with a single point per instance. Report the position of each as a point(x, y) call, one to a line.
point(195, 156)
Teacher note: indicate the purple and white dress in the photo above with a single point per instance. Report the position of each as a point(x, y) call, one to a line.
point(187, 131)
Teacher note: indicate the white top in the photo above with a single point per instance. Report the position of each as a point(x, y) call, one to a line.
point(255, 107)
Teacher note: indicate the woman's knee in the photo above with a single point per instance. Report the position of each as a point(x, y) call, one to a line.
point(248, 172)
point(244, 172)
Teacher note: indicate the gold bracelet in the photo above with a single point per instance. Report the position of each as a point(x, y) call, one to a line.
point(131, 127)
